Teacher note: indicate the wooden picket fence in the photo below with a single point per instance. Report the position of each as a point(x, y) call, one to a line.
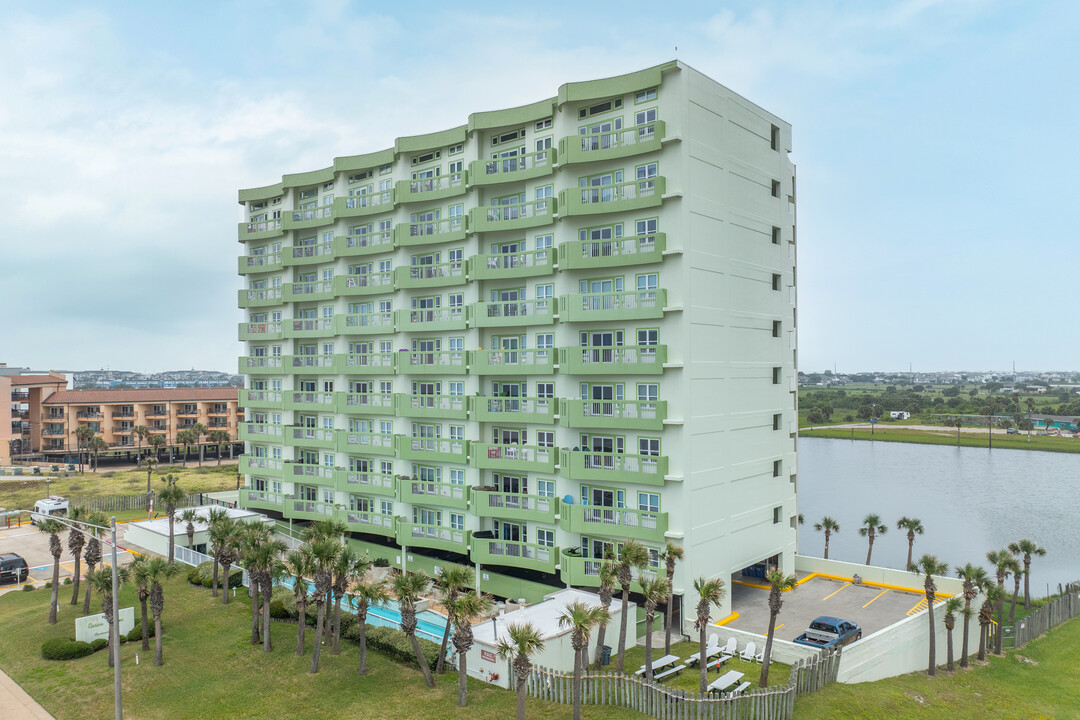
point(664, 703)
point(117, 503)
point(1056, 611)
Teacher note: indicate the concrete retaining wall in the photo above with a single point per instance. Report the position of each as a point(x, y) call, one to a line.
point(782, 651)
point(877, 575)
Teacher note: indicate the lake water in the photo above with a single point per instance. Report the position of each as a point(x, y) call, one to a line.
point(970, 500)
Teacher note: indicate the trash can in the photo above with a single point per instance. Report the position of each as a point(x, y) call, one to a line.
point(605, 655)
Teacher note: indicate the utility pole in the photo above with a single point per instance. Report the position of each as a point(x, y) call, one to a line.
point(116, 626)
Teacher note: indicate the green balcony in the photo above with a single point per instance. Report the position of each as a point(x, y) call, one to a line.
point(308, 510)
point(377, 283)
point(617, 468)
point(617, 306)
point(309, 437)
point(262, 500)
point(263, 297)
point(584, 572)
point(512, 169)
point(432, 450)
point(637, 140)
point(261, 399)
point(430, 232)
point(260, 433)
point(259, 365)
point(367, 244)
point(514, 506)
point(365, 443)
point(633, 195)
point(513, 458)
point(430, 276)
point(368, 483)
point(259, 331)
point(361, 205)
point(310, 401)
point(429, 189)
point(308, 218)
point(309, 328)
point(364, 364)
point(309, 291)
point(517, 313)
point(261, 466)
point(593, 254)
point(364, 323)
point(436, 537)
point(507, 553)
point(368, 522)
point(442, 494)
point(366, 404)
point(512, 362)
point(308, 364)
point(431, 319)
point(258, 263)
point(431, 363)
point(308, 254)
point(621, 360)
point(308, 473)
point(493, 218)
point(614, 522)
point(613, 414)
point(514, 410)
point(451, 407)
point(506, 266)
point(262, 230)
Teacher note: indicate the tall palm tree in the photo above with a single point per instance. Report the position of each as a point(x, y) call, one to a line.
point(632, 556)
point(76, 541)
point(298, 567)
point(408, 589)
point(1014, 568)
point(671, 555)
point(141, 432)
point(171, 496)
point(190, 516)
point(156, 442)
point(198, 429)
point(252, 536)
point(581, 619)
point(349, 568)
point(227, 549)
point(221, 439)
point(1027, 548)
point(929, 566)
point(993, 594)
point(158, 570)
point(778, 583)
point(914, 527)
point(1003, 562)
point(264, 566)
point(606, 590)
point(872, 527)
point(366, 594)
point(827, 526)
point(463, 609)
point(336, 531)
point(218, 525)
point(92, 554)
point(522, 641)
point(149, 462)
point(140, 577)
point(187, 438)
point(53, 528)
point(83, 433)
point(953, 605)
point(654, 589)
point(96, 445)
point(324, 553)
point(454, 580)
point(973, 576)
point(101, 580)
point(709, 593)
point(959, 423)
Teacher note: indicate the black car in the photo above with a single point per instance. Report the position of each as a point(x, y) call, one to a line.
point(13, 568)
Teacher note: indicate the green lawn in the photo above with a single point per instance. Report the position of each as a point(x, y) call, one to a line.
point(212, 671)
point(897, 433)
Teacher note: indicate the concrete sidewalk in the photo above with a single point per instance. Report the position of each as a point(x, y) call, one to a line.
point(15, 704)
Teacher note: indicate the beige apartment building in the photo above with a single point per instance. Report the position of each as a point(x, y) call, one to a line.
point(20, 418)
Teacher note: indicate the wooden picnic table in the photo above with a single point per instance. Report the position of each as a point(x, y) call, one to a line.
point(660, 664)
point(725, 681)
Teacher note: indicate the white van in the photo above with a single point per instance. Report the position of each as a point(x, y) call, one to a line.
point(54, 505)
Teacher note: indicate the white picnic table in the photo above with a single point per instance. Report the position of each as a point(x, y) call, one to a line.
point(710, 653)
point(660, 664)
point(725, 681)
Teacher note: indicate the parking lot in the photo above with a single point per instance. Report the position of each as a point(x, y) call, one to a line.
point(34, 547)
point(871, 607)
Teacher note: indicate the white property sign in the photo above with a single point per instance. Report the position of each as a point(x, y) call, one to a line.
point(92, 627)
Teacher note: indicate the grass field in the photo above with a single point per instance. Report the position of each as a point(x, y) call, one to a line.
point(898, 433)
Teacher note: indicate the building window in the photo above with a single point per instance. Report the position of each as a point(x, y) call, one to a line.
point(777, 418)
point(776, 188)
point(457, 476)
point(545, 390)
point(775, 235)
point(777, 467)
point(545, 438)
point(457, 521)
point(649, 446)
point(776, 281)
point(645, 95)
point(543, 124)
point(545, 488)
point(545, 538)
point(455, 149)
point(776, 328)
point(774, 138)
point(648, 502)
point(776, 511)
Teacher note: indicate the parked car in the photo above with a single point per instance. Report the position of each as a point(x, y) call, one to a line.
point(13, 568)
point(1012, 431)
point(829, 631)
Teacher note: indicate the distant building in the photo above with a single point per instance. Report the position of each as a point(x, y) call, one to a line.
point(899, 414)
point(20, 415)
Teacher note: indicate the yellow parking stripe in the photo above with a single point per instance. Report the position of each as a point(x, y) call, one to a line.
point(775, 629)
point(836, 591)
point(921, 605)
point(877, 596)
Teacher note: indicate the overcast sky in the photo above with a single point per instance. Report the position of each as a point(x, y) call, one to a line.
point(937, 196)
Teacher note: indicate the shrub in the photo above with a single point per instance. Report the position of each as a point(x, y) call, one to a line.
point(48, 584)
point(348, 620)
point(67, 580)
point(395, 644)
point(64, 649)
point(288, 600)
point(112, 473)
point(136, 632)
point(312, 613)
point(277, 610)
point(193, 576)
point(27, 588)
point(102, 643)
point(381, 562)
point(353, 632)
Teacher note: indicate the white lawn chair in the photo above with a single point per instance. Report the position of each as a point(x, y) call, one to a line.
point(760, 657)
point(714, 640)
point(749, 652)
point(731, 648)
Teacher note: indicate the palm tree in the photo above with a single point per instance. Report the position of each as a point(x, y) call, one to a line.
point(157, 570)
point(1027, 548)
point(632, 556)
point(914, 527)
point(953, 605)
point(198, 429)
point(298, 567)
point(463, 609)
point(262, 558)
point(828, 526)
point(778, 583)
point(101, 580)
point(522, 642)
point(872, 527)
point(187, 438)
point(365, 594)
point(993, 595)
point(83, 433)
point(156, 442)
point(335, 531)
point(959, 423)
point(252, 536)
point(324, 552)
point(929, 566)
point(581, 619)
point(227, 549)
point(171, 496)
point(607, 590)
point(408, 588)
point(149, 462)
point(92, 555)
point(140, 577)
point(141, 432)
point(709, 593)
point(973, 576)
point(654, 589)
point(1003, 562)
point(221, 439)
point(349, 568)
point(1014, 568)
point(190, 516)
point(76, 540)
point(454, 580)
point(53, 528)
point(671, 555)
point(218, 525)
point(96, 445)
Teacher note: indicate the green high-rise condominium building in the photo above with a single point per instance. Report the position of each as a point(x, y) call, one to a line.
point(519, 342)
